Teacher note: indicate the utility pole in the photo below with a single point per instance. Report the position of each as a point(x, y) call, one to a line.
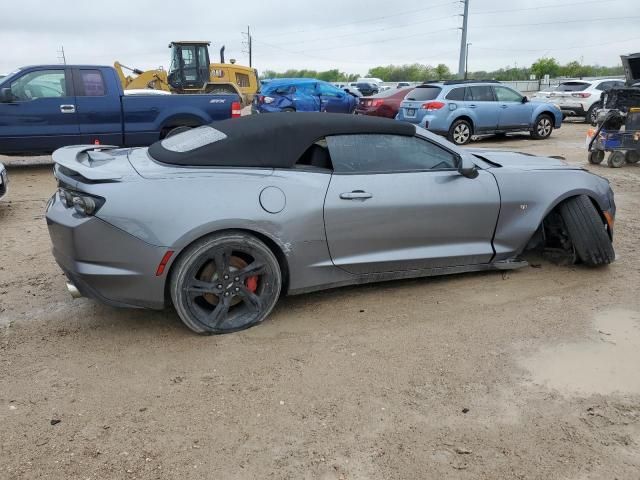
point(463, 40)
point(249, 45)
point(466, 61)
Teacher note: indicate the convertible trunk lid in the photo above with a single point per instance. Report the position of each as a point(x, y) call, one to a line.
point(523, 161)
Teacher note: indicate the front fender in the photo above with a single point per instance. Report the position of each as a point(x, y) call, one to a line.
point(544, 107)
point(528, 197)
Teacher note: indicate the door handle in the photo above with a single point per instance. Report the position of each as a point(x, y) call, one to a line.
point(503, 106)
point(355, 195)
point(472, 106)
point(67, 108)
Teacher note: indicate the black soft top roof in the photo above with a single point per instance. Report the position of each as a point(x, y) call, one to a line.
point(272, 140)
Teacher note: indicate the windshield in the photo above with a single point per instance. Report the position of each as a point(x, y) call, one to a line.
point(424, 93)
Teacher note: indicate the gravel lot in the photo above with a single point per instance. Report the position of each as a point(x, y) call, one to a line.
point(530, 374)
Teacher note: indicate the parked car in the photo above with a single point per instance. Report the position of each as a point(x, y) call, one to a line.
point(581, 98)
point(45, 107)
point(239, 212)
point(4, 180)
point(384, 104)
point(367, 89)
point(302, 95)
point(403, 84)
point(460, 109)
point(544, 95)
point(375, 80)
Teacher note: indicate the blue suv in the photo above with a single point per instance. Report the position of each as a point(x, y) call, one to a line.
point(302, 95)
point(460, 109)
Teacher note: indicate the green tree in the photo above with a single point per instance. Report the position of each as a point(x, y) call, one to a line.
point(442, 72)
point(545, 66)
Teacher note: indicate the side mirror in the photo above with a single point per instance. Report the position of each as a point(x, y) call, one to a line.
point(525, 99)
point(467, 168)
point(6, 96)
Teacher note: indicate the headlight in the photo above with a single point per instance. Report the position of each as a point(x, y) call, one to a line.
point(82, 203)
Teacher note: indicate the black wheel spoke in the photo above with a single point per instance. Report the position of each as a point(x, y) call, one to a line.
point(254, 268)
point(221, 260)
point(200, 287)
point(219, 313)
point(250, 299)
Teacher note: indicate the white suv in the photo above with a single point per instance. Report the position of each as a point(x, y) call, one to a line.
point(581, 98)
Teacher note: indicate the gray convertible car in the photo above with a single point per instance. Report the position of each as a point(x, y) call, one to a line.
point(221, 220)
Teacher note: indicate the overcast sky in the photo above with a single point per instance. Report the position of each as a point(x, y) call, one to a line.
point(321, 34)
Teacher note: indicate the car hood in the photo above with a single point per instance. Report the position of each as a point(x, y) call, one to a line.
point(521, 160)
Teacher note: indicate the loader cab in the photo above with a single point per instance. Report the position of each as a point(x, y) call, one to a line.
point(189, 69)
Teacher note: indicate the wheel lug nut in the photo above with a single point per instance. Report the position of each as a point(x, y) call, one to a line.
point(220, 285)
point(226, 277)
point(237, 279)
point(237, 289)
point(226, 294)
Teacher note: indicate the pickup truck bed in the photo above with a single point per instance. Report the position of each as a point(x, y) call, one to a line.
point(45, 107)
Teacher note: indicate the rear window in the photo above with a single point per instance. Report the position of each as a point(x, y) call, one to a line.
point(192, 139)
point(572, 86)
point(91, 83)
point(424, 93)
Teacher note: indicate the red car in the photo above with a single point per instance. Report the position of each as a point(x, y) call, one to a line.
point(383, 104)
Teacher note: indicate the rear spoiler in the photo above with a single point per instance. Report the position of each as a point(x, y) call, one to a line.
point(94, 162)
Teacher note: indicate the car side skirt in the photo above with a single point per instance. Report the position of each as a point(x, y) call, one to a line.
point(509, 264)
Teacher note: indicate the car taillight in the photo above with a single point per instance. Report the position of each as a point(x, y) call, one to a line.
point(581, 95)
point(377, 103)
point(260, 98)
point(84, 204)
point(432, 105)
point(236, 110)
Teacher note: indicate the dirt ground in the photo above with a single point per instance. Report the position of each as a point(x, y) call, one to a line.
point(529, 374)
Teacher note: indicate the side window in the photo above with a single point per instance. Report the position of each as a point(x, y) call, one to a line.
point(285, 90)
point(242, 79)
point(40, 84)
point(372, 153)
point(328, 91)
point(482, 94)
point(603, 86)
point(456, 94)
point(504, 94)
point(91, 84)
point(307, 88)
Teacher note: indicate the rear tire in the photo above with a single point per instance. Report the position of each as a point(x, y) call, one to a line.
point(288, 110)
point(177, 130)
point(592, 114)
point(460, 132)
point(616, 159)
point(587, 231)
point(543, 127)
point(224, 283)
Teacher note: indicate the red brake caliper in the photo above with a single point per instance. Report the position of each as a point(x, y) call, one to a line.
point(252, 283)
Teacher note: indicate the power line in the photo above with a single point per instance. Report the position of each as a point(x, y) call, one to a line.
point(557, 49)
point(357, 22)
point(556, 23)
point(555, 5)
point(333, 37)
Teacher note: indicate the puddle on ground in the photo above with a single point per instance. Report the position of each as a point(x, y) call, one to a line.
point(607, 362)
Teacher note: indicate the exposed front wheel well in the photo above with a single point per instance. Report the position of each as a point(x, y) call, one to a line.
point(176, 122)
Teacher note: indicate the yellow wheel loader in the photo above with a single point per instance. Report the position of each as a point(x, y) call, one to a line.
point(191, 72)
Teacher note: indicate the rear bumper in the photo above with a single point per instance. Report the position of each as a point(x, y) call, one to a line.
point(104, 262)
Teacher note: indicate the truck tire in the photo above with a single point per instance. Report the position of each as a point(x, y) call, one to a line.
point(587, 231)
point(632, 156)
point(177, 130)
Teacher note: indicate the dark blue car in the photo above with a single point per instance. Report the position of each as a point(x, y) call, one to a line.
point(302, 95)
